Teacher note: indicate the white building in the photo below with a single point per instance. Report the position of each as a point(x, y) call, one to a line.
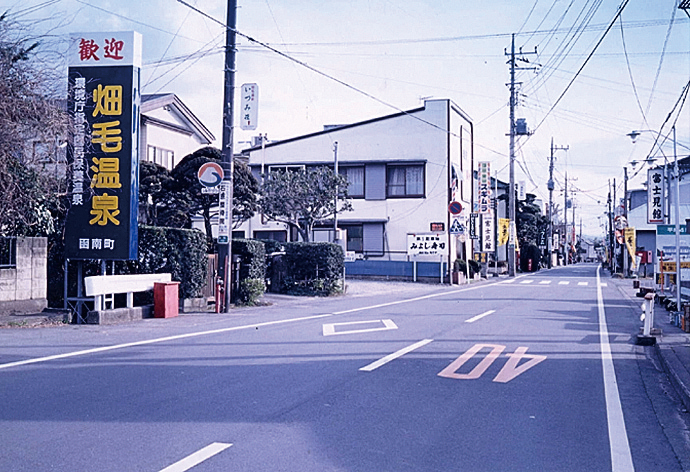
point(404, 170)
point(169, 130)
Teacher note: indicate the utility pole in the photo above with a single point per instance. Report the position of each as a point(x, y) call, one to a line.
point(615, 239)
point(610, 233)
point(225, 248)
point(513, 133)
point(550, 186)
point(335, 210)
point(625, 215)
point(566, 251)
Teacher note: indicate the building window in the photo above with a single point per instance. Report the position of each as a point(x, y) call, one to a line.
point(280, 236)
point(405, 180)
point(160, 156)
point(8, 253)
point(355, 237)
point(355, 180)
point(285, 168)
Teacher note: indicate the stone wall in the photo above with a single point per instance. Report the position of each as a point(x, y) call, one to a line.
point(24, 289)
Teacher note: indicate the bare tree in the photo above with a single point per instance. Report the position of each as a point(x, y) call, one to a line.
point(33, 133)
point(304, 198)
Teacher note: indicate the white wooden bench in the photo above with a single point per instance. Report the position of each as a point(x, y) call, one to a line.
point(104, 287)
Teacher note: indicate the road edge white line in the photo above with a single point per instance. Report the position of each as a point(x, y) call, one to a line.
point(145, 342)
point(621, 457)
point(224, 330)
point(197, 458)
point(479, 317)
point(390, 357)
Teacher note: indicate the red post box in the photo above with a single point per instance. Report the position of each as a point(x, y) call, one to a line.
point(166, 299)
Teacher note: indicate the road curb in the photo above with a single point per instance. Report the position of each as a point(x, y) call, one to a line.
point(676, 371)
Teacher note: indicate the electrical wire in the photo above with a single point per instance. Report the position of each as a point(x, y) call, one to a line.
point(319, 72)
point(618, 13)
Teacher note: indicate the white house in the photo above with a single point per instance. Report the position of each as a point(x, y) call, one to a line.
point(169, 130)
point(404, 170)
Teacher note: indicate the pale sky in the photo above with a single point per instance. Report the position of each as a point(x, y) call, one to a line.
point(403, 51)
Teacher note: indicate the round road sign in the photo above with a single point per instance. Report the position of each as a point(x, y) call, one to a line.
point(210, 174)
point(455, 208)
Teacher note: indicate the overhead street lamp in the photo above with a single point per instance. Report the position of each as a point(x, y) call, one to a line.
point(633, 135)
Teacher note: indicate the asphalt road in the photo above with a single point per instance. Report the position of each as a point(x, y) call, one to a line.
point(534, 373)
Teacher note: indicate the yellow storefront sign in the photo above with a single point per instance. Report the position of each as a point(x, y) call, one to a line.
point(671, 266)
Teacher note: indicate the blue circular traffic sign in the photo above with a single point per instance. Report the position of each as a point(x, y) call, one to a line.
point(455, 208)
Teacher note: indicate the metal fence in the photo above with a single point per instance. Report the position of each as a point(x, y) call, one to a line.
point(8, 252)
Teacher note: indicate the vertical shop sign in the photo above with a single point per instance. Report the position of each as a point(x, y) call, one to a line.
point(484, 188)
point(103, 152)
point(655, 196)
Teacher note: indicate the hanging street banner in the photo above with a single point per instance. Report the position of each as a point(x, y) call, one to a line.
point(630, 243)
point(249, 106)
point(503, 228)
point(103, 152)
point(484, 188)
point(655, 196)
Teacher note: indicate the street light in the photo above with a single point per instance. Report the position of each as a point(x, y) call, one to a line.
point(633, 135)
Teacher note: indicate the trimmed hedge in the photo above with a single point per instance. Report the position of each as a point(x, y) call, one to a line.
point(182, 252)
point(314, 269)
point(252, 270)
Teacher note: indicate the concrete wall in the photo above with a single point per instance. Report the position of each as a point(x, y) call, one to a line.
point(24, 288)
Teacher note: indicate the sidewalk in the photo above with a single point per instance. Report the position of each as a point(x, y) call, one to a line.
point(672, 346)
point(355, 288)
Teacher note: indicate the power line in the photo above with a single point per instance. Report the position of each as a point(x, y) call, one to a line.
point(317, 71)
point(618, 13)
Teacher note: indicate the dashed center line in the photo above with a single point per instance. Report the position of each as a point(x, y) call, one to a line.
point(395, 355)
point(479, 317)
point(197, 458)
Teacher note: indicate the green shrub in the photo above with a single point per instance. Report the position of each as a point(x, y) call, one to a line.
point(250, 291)
point(181, 252)
point(252, 256)
point(314, 269)
point(272, 245)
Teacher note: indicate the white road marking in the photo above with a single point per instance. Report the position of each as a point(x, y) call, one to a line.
point(583, 283)
point(85, 352)
point(154, 341)
point(528, 281)
point(395, 355)
point(545, 282)
point(563, 282)
point(604, 284)
point(329, 329)
point(197, 458)
point(621, 458)
point(479, 317)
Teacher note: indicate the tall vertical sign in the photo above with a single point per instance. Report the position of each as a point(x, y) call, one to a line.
point(484, 188)
point(655, 196)
point(249, 106)
point(103, 154)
